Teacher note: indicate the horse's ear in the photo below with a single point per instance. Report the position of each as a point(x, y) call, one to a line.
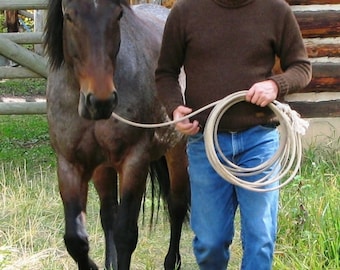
point(53, 38)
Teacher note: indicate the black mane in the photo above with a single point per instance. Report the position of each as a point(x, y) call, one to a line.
point(53, 38)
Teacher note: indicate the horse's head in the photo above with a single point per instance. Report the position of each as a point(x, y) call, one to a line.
point(91, 40)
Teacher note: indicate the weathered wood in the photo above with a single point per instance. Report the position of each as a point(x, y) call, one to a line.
point(322, 49)
point(21, 108)
point(312, 2)
point(23, 57)
point(24, 37)
point(17, 73)
point(323, 84)
point(39, 25)
point(23, 4)
point(168, 3)
point(326, 69)
point(26, 14)
point(319, 23)
point(325, 78)
point(317, 109)
point(12, 21)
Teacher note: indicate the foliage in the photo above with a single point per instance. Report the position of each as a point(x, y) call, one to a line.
point(20, 87)
point(27, 24)
point(309, 231)
point(2, 22)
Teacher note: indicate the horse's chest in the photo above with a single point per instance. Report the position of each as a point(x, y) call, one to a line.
point(118, 141)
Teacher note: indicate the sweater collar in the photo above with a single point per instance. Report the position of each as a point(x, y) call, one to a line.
point(232, 3)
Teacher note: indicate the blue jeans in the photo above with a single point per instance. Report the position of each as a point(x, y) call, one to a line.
point(214, 201)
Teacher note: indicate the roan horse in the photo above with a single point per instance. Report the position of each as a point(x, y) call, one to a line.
point(103, 55)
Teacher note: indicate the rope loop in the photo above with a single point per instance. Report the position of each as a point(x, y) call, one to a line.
point(285, 162)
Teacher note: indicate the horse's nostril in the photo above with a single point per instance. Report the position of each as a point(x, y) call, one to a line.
point(100, 108)
point(114, 98)
point(92, 101)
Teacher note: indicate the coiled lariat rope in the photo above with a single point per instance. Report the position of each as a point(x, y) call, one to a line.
point(285, 163)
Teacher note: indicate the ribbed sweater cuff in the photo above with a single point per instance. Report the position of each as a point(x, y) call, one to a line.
point(281, 83)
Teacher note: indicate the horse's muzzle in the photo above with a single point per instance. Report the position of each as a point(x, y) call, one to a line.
point(93, 108)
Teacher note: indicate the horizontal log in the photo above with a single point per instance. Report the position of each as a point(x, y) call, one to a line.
point(24, 37)
point(324, 84)
point(312, 2)
point(322, 49)
point(23, 4)
point(317, 109)
point(23, 57)
point(26, 14)
point(325, 78)
point(327, 69)
point(319, 23)
point(21, 108)
point(17, 73)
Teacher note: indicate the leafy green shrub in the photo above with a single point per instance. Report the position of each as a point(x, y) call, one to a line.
point(2, 22)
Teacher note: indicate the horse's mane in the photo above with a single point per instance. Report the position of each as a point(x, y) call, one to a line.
point(53, 39)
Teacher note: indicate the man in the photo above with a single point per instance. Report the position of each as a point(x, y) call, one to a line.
point(227, 46)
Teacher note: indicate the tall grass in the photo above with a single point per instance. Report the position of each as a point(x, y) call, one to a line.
point(32, 226)
point(309, 231)
point(32, 221)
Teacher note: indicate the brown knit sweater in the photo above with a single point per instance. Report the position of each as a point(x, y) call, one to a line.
point(226, 46)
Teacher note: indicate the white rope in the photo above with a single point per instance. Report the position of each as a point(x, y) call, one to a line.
point(168, 123)
point(286, 160)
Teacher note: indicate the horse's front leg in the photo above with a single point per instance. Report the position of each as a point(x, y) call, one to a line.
point(105, 181)
point(178, 201)
point(73, 187)
point(132, 185)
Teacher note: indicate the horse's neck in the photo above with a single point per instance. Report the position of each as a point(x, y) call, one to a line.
point(63, 86)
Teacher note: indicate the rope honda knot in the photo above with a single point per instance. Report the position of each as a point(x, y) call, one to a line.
point(298, 124)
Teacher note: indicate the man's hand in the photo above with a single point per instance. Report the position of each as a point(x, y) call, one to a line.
point(186, 127)
point(262, 93)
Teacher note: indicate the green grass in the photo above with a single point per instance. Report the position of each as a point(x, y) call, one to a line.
point(309, 231)
point(25, 139)
point(19, 87)
point(32, 222)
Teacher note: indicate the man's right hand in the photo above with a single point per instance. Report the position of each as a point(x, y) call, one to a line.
point(186, 127)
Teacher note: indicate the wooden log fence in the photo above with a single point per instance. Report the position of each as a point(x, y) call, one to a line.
point(24, 57)
point(320, 27)
point(23, 4)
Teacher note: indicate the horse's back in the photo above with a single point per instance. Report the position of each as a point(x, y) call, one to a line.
point(149, 10)
point(141, 35)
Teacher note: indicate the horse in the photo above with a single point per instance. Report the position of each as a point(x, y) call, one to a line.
point(103, 55)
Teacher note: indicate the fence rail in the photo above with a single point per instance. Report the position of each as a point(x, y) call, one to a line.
point(32, 64)
point(23, 4)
